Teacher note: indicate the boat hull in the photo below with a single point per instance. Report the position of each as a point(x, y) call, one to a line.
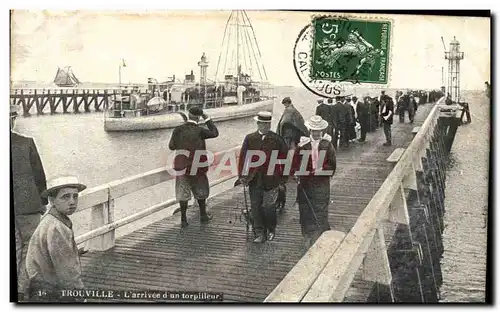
point(173, 120)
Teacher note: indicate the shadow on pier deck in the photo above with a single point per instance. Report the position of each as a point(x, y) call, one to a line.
point(220, 256)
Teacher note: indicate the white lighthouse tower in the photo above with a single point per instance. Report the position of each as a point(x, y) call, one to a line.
point(203, 63)
point(454, 56)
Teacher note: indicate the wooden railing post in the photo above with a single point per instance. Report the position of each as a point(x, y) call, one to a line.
point(376, 263)
point(398, 210)
point(101, 215)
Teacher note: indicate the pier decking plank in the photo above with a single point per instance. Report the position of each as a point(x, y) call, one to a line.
point(220, 256)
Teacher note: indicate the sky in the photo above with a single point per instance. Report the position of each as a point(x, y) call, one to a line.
point(160, 44)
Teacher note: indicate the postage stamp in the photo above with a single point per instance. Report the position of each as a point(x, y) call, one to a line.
point(333, 55)
point(353, 50)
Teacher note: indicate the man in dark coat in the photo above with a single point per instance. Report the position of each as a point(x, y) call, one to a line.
point(325, 111)
point(28, 182)
point(402, 105)
point(412, 107)
point(263, 182)
point(363, 117)
point(372, 115)
point(291, 125)
point(351, 117)
point(387, 114)
point(313, 188)
point(340, 115)
point(191, 137)
point(335, 122)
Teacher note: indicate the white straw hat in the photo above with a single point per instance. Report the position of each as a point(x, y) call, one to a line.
point(62, 182)
point(316, 123)
point(263, 116)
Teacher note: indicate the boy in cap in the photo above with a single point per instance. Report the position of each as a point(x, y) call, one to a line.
point(263, 187)
point(53, 262)
point(28, 182)
point(191, 137)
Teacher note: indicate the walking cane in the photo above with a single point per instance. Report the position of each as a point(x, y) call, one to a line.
point(236, 183)
point(308, 203)
point(246, 206)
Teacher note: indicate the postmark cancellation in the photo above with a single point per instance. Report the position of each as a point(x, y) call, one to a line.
point(333, 52)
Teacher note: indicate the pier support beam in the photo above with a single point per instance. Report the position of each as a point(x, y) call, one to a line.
point(101, 215)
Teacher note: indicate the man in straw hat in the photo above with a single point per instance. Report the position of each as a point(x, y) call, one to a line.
point(291, 125)
point(191, 137)
point(28, 181)
point(53, 262)
point(253, 170)
point(313, 188)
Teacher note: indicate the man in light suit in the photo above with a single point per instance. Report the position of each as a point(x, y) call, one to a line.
point(28, 182)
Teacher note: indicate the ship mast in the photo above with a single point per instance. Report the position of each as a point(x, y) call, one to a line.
point(247, 49)
point(237, 49)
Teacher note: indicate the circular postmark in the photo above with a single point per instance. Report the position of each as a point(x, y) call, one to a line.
point(334, 55)
point(302, 63)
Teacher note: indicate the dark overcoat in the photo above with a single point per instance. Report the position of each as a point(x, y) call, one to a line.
point(28, 176)
point(191, 137)
point(385, 109)
point(291, 126)
point(325, 111)
point(259, 176)
point(313, 191)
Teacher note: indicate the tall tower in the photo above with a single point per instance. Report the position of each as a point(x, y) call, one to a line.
point(454, 56)
point(203, 63)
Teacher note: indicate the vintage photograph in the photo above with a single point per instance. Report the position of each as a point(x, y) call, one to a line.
point(250, 156)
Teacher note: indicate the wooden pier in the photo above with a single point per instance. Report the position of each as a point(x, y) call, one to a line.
point(71, 100)
point(386, 206)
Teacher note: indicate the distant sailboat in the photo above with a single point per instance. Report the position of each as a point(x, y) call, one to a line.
point(66, 78)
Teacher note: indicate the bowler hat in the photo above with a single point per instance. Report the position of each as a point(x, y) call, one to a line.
point(286, 100)
point(62, 182)
point(196, 111)
point(316, 123)
point(263, 116)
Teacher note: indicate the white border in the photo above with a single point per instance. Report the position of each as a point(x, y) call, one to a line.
point(217, 5)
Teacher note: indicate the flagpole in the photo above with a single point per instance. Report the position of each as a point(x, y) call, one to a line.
point(120, 86)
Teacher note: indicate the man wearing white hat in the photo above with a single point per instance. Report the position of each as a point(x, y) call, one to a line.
point(313, 188)
point(53, 262)
point(28, 181)
point(262, 185)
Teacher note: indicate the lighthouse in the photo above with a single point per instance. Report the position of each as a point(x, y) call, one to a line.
point(203, 63)
point(454, 56)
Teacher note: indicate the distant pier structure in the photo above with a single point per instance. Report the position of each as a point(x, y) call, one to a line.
point(72, 100)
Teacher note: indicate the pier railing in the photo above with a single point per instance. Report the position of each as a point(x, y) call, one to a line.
point(326, 271)
point(100, 200)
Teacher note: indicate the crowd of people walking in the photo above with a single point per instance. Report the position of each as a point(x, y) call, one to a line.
point(46, 252)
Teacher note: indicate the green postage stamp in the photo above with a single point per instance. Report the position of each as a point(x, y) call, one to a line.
point(354, 50)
